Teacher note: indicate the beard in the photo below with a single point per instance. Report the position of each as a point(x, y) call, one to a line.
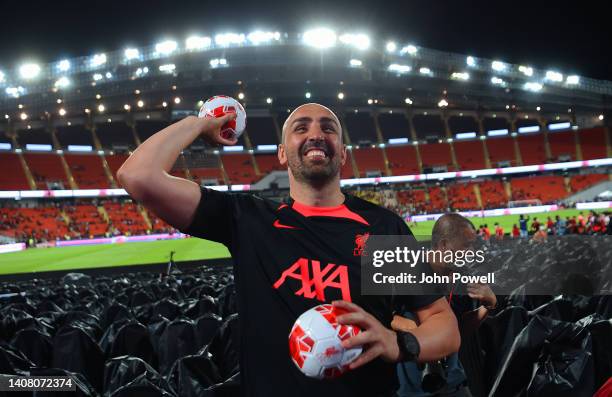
point(314, 171)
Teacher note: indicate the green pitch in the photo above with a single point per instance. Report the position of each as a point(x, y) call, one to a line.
point(84, 257)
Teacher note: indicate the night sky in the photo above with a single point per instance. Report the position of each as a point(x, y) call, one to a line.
point(544, 34)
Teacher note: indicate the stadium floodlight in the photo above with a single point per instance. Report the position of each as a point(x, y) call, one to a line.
point(320, 38)
point(29, 70)
point(355, 63)
point(62, 112)
point(63, 65)
point(532, 86)
point(98, 96)
point(498, 66)
point(131, 53)
point(23, 116)
point(526, 70)
point(140, 103)
point(471, 61)
point(399, 69)
point(164, 104)
point(15, 92)
point(443, 103)
point(497, 81)
point(97, 76)
point(241, 95)
point(554, 76)
point(391, 46)
point(572, 80)
point(258, 37)
point(167, 68)
point(101, 108)
point(341, 95)
point(62, 82)
point(227, 39)
point(408, 101)
point(2, 77)
point(308, 95)
point(359, 40)
point(108, 75)
point(142, 71)
point(177, 100)
point(166, 47)
point(126, 107)
point(600, 117)
point(268, 100)
point(538, 108)
point(410, 49)
point(425, 70)
point(460, 76)
point(193, 43)
point(97, 60)
point(200, 103)
point(215, 63)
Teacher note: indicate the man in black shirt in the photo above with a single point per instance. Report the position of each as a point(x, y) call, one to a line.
point(291, 257)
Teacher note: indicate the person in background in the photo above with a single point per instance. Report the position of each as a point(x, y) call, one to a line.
point(550, 226)
point(523, 225)
point(516, 232)
point(499, 232)
point(560, 226)
point(487, 232)
point(535, 225)
point(540, 235)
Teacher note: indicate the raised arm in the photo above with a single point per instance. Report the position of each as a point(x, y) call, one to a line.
point(145, 173)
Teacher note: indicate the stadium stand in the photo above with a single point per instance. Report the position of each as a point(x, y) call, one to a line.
point(437, 200)
point(470, 155)
point(239, 168)
point(369, 161)
point(47, 170)
point(86, 221)
point(562, 146)
point(581, 182)
point(74, 135)
point(87, 171)
point(402, 160)
point(12, 176)
point(268, 163)
point(44, 223)
point(492, 194)
point(394, 125)
point(347, 168)
point(126, 218)
point(593, 143)
point(547, 189)
point(436, 155)
point(532, 149)
point(501, 152)
point(412, 199)
point(360, 127)
point(461, 196)
point(206, 174)
point(114, 162)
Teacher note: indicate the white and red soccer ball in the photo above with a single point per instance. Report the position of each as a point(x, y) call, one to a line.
point(219, 106)
point(315, 343)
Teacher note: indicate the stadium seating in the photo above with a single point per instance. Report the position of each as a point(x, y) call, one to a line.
point(581, 182)
point(369, 160)
point(402, 160)
point(461, 196)
point(547, 189)
point(470, 155)
point(87, 171)
point(114, 162)
point(239, 168)
point(86, 221)
point(412, 199)
point(436, 155)
point(562, 146)
point(268, 163)
point(44, 223)
point(501, 150)
point(12, 176)
point(492, 194)
point(437, 200)
point(206, 174)
point(347, 168)
point(593, 143)
point(126, 218)
point(532, 149)
point(46, 170)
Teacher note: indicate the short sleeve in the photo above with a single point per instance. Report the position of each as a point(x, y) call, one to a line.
point(214, 217)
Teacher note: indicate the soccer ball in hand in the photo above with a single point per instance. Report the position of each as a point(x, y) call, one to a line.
point(315, 343)
point(219, 106)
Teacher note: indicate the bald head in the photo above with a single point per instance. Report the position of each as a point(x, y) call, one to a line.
point(451, 230)
point(313, 111)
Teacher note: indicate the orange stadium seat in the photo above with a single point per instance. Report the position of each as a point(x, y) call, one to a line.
point(369, 160)
point(347, 169)
point(12, 176)
point(501, 150)
point(461, 196)
point(87, 171)
point(593, 143)
point(436, 154)
point(437, 200)
point(44, 223)
point(470, 155)
point(199, 174)
point(581, 182)
point(492, 194)
point(126, 218)
point(562, 145)
point(46, 168)
point(115, 161)
point(239, 168)
point(268, 163)
point(547, 189)
point(532, 149)
point(402, 160)
point(86, 221)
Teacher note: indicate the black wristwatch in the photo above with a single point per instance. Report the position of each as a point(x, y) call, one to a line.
point(409, 346)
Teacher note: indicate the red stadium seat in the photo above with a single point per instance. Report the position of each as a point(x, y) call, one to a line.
point(46, 168)
point(532, 149)
point(239, 168)
point(581, 182)
point(493, 194)
point(369, 160)
point(501, 150)
point(461, 196)
point(547, 189)
point(12, 176)
point(436, 154)
point(593, 143)
point(87, 171)
point(470, 155)
point(562, 145)
point(402, 160)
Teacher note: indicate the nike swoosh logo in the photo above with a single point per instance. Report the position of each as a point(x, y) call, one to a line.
point(279, 225)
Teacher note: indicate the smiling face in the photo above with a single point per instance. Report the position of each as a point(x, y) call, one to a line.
point(312, 145)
